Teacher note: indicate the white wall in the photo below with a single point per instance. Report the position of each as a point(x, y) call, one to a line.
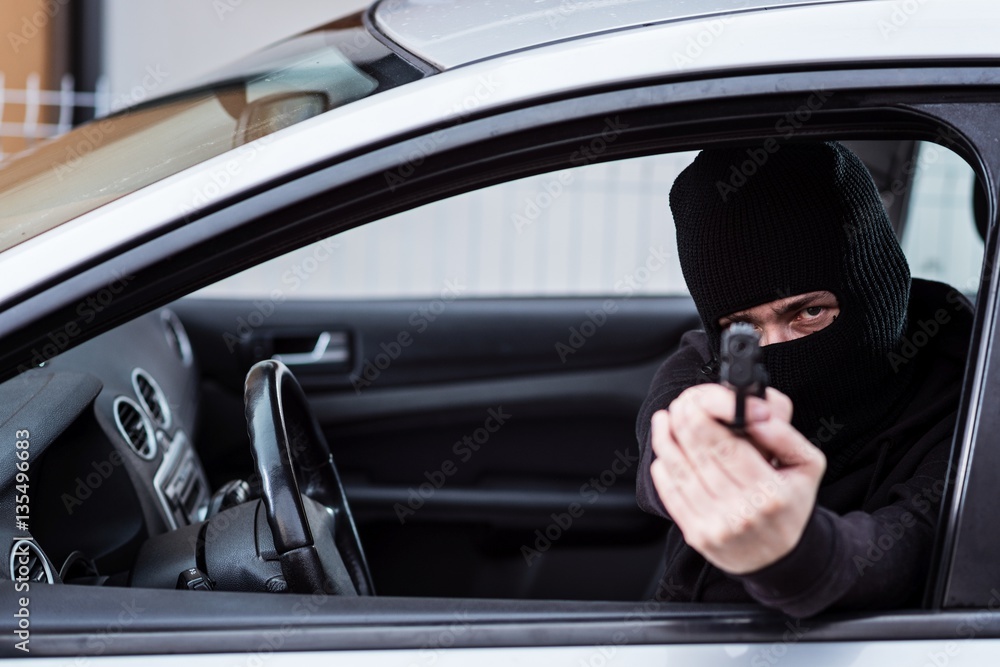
point(186, 39)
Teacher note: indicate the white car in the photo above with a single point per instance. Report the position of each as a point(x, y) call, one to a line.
point(450, 221)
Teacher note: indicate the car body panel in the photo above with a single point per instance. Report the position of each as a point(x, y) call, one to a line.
point(453, 34)
point(145, 622)
point(303, 163)
point(846, 654)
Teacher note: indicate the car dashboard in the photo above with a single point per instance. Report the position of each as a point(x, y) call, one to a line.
point(109, 460)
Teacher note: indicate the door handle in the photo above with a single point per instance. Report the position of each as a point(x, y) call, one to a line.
point(331, 348)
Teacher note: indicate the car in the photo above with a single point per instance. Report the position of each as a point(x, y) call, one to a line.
point(430, 243)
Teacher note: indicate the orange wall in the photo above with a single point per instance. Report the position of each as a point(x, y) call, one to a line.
point(33, 38)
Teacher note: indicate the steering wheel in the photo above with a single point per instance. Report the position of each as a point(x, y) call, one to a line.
point(314, 533)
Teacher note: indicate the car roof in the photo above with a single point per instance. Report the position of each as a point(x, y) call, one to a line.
point(448, 34)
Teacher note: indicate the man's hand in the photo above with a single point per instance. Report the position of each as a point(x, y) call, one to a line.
point(742, 502)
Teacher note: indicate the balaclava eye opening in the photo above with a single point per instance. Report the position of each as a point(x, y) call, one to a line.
point(776, 220)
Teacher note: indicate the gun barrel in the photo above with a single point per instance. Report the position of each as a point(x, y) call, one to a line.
point(741, 368)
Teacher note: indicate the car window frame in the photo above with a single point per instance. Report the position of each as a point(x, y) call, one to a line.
point(345, 193)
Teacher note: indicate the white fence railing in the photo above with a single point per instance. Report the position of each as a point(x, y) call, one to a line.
point(33, 99)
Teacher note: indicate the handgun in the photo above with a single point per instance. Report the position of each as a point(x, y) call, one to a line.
point(741, 368)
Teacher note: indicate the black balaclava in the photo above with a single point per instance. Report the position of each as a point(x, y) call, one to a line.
point(754, 226)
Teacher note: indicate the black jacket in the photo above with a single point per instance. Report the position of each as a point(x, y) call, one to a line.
point(868, 541)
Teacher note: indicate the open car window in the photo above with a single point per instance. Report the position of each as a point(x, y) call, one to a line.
point(580, 242)
point(595, 229)
point(945, 219)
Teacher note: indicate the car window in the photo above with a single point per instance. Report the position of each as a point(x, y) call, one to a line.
point(238, 108)
point(940, 237)
point(593, 230)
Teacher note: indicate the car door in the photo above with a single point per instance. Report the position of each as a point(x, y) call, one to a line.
point(661, 119)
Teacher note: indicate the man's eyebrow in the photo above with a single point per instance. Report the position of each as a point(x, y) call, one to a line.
point(794, 304)
point(741, 316)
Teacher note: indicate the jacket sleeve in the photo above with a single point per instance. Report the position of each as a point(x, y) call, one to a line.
point(681, 370)
point(862, 560)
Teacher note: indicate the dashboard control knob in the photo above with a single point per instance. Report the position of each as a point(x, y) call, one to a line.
point(194, 579)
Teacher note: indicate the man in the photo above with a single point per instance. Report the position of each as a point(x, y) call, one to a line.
point(830, 497)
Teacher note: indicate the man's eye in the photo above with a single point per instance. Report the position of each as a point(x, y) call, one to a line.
point(813, 311)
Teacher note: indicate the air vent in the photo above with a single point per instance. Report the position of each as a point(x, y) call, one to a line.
point(177, 337)
point(151, 397)
point(135, 427)
point(29, 563)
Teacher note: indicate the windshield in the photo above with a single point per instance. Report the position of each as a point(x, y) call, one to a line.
point(110, 158)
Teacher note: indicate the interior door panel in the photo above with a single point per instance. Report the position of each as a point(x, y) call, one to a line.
point(487, 453)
